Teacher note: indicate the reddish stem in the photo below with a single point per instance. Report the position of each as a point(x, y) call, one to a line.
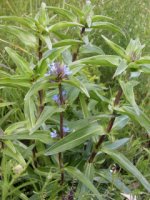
point(109, 127)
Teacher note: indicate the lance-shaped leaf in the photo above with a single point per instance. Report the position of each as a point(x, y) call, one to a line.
point(84, 106)
point(120, 122)
point(24, 36)
point(47, 112)
point(42, 17)
point(30, 111)
point(115, 145)
point(47, 40)
point(75, 139)
point(61, 25)
point(128, 166)
point(89, 172)
point(142, 119)
point(64, 12)
point(121, 68)
point(114, 180)
point(91, 49)
point(129, 94)
point(15, 81)
point(143, 60)
point(15, 154)
point(75, 10)
point(100, 60)
point(4, 104)
point(23, 67)
point(74, 172)
point(15, 127)
point(54, 53)
point(96, 18)
point(76, 83)
point(145, 68)
point(43, 136)
point(40, 84)
point(67, 42)
point(26, 21)
point(108, 26)
point(118, 49)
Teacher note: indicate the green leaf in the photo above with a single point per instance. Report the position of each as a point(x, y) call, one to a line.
point(15, 81)
point(89, 173)
point(66, 13)
point(107, 25)
point(54, 53)
point(81, 177)
point(120, 122)
point(142, 119)
point(15, 155)
point(15, 127)
point(143, 60)
point(134, 49)
point(75, 139)
point(96, 18)
point(83, 106)
point(24, 36)
point(121, 68)
point(61, 25)
point(26, 21)
point(23, 66)
point(118, 49)
point(47, 112)
point(115, 145)
point(129, 94)
point(41, 17)
point(67, 42)
point(127, 165)
point(6, 104)
point(76, 83)
point(113, 179)
point(90, 49)
point(30, 111)
point(43, 136)
point(76, 10)
point(40, 84)
point(100, 60)
point(145, 68)
point(6, 116)
point(47, 40)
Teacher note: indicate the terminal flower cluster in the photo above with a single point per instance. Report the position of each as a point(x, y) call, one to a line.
point(58, 70)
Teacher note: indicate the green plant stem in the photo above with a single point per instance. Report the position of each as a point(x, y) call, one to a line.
point(60, 155)
point(108, 130)
point(40, 92)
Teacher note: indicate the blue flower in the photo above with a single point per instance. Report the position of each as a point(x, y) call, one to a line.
point(67, 70)
point(53, 134)
point(66, 129)
point(58, 70)
point(56, 97)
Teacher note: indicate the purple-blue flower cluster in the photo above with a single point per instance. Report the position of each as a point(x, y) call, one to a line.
point(54, 134)
point(56, 97)
point(58, 70)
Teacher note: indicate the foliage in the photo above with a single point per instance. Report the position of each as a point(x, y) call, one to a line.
point(61, 132)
